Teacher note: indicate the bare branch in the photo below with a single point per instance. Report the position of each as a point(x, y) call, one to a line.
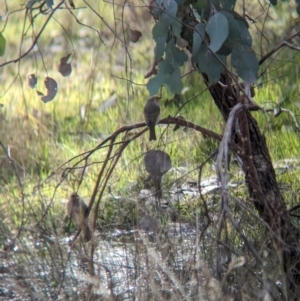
point(279, 46)
point(36, 38)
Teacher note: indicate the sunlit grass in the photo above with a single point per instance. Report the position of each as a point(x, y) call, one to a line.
point(41, 137)
point(45, 139)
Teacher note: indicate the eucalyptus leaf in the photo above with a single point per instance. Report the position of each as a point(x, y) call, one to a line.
point(234, 33)
point(245, 62)
point(179, 1)
point(234, 36)
point(159, 30)
point(217, 29)
point(50, 3)
point(228, 4)
point(201, 4)
point(244, 33)
point(203, 9)
point(177, 28)
point(273, 2)
point(174, 82)
point(175, 55)
point(170, 7)
point(165, 67)
point(155, 83)
point(199, 33)
point(30, 3)
point(160, 47)
point(226, 48)
point(210, 63)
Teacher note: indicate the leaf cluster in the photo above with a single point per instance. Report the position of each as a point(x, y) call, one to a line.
point(217, 37)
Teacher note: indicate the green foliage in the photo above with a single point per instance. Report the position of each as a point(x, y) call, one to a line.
point(273, 2)
point(245, 62)
point(198, 37)
point(217, 30)
point(30, 3)
point(228, 4)
point(215, 38)
point(168, 68)
point(162, 32)
point(210, 63)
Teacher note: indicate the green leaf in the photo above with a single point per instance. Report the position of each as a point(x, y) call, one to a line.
point(177, 28)
point(199, 34)
point(179, 1)
point(165, 67)
point(174, 82)
point(226, 48)
point(228, 4)
point(273, 2)
point(49, 3)
point(234, 32)
point(160, 35)
point(233, 36)
point(245, 62)
point(175, 55)
point(203, 9)
point(170, 6)
point(155, 83)
point(201, 4)
point(160, 47)
point(159, 30)
point(217, 29)
point(244, 33)
point(2, 44)
point(168, 75)
point(208, 63)
point(30, 3)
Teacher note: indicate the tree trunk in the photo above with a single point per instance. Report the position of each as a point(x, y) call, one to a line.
point(262, 186)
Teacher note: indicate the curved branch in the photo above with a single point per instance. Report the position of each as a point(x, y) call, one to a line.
point(279, 46)
point(36, 38)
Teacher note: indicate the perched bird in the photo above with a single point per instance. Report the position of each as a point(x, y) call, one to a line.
point(151, 114)
point(78, 211)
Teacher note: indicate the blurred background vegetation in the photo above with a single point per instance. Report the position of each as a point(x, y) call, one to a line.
point(106, 91)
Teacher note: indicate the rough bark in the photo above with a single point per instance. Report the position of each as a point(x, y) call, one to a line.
point(262, 186)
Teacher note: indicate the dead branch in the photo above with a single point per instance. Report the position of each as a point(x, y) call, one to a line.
point(36, 37)
point(279, 46)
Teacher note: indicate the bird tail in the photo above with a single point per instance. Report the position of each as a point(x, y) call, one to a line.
point(152, 135)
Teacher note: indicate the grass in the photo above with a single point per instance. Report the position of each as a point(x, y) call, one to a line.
point(41, 137)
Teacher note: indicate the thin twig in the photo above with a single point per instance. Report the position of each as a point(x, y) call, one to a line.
point(36, 38)
point(279, 46)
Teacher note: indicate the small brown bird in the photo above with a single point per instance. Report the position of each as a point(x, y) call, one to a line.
point(151, 114)
point(78, 211)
